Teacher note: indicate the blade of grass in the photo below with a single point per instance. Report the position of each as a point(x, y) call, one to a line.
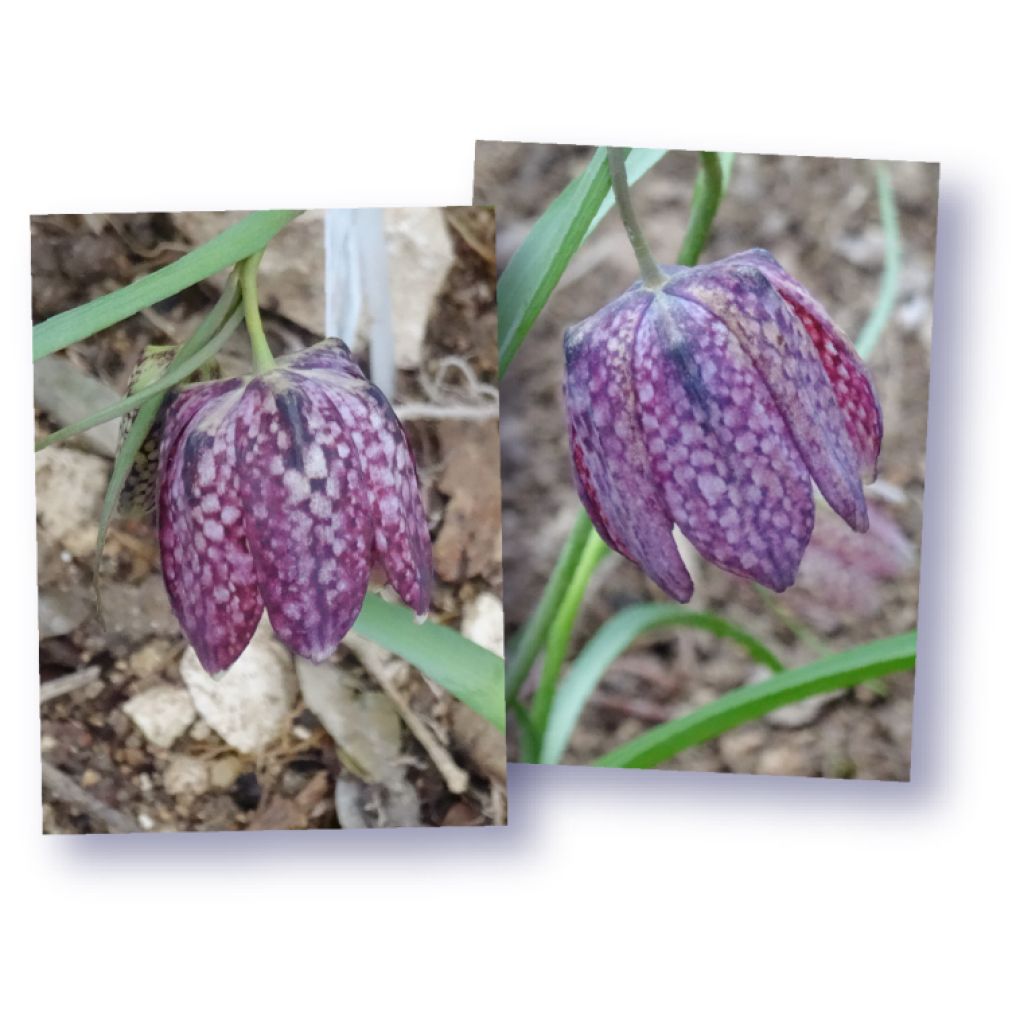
point(528, 641)
point(467, 671)
point(560, 633)
point(712, 181)
point(230, 246)
point(173, 375)
point(538, 264)
point(744, 704)
point(612, 640)
point(136, 434)
point(888, 289)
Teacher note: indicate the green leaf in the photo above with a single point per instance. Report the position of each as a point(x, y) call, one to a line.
point(527, 642)
point(594, 552)
point(467, 671)
point(712, 181)
point(744, 704)
point(212, 326)
point(230, 246)
point(611, 640)
point(538, 264)
point(175, 374)
point(888, 289)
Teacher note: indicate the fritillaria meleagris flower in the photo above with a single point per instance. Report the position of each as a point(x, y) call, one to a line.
point(282, 491)
point(710, 404)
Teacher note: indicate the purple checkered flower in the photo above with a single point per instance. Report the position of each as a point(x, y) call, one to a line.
point(711, 404)
point(282, 491)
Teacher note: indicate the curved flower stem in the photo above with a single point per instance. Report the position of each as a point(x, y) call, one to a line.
point(262, 357)
point(649, 270)
point(707, 194)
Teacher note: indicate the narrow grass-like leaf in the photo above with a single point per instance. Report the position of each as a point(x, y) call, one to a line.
point(174, 374)
point(560, 632)
point(230, 246)
point(528, 641)
point(613, 639)
point(744, 704)
point(135, 436)
point(538, 264)
point(888, 289)
point(712, 181)
point(467, 671)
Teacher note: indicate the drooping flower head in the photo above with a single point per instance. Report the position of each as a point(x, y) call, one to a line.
point(282, 491)
point(710, 404)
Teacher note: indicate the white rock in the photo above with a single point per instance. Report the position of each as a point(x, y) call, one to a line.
point(483, 622)
point(161, 713)
point(69, 495)
point(364, 724)
point(186, 775)
point(248, 705)
point(419, 255)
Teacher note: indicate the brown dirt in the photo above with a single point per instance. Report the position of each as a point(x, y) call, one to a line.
point(819, 218)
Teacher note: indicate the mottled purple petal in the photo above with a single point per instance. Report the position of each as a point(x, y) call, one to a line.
point(207, 568)
point(332, 355)
point(720, 451)
point(779, 348)
point(401, 539)
point(609, 454)
point(306, 515)
point(846, 371)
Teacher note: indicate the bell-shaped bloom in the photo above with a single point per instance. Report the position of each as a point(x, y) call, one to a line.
point(282, 491)
point(711, 404)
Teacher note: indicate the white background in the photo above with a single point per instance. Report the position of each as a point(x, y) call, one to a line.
point(629, 896)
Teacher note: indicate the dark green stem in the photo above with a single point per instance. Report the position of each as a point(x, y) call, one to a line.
point(707, 194)
point(650, 272)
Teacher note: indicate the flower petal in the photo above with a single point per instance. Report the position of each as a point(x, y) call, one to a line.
point(613, 473)
point(846, 371)
point(207, 568)
point(401, 539)
point(332, 355)
point(720, 451)
point(306, 514)
point(781, 351)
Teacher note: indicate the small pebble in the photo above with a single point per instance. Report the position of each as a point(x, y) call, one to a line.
point(90, 777)
point(224, 771)
point(186, 776)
